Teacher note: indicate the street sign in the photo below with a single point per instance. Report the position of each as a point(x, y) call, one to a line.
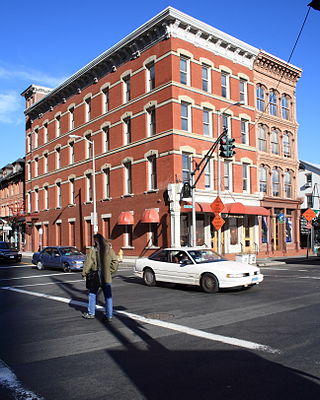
point(281, 218)
point(217, 222)
point(217, 206)
point(309, 214)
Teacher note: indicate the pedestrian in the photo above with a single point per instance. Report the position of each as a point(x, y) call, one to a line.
point(101, 257)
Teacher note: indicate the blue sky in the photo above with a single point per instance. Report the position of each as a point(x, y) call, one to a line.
point(46, 42)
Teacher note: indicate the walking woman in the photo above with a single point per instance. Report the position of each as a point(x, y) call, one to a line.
point(102, 258)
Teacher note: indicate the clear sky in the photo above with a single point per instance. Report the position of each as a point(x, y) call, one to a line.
point(46, 42)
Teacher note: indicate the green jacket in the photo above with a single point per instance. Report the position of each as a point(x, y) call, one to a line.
point(109, 264)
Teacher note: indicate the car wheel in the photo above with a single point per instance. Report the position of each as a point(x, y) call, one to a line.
point(148, 277)
point(209, 283)
point(40, 266)
point(66, 267)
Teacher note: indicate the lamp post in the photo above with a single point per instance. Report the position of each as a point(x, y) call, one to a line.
point(220, 123)
point(94, 219)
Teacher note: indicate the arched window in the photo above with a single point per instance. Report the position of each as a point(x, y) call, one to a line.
point(288, 184)
point(274, 142)
point(263, 178)
point(286, 145)
point(275, 182)
point(260, 97)
point(273, 102)
point(285, 107)
point(262, 140)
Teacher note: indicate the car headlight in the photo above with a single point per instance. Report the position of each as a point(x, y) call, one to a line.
point(241, 275)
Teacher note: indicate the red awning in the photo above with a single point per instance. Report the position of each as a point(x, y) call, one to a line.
point(239, 208)
point(200, 207)
point(150, 216)
point(125, 218)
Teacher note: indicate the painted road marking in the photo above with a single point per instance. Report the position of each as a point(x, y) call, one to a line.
point(163, 324)
point(50, 283)
point(10, 382)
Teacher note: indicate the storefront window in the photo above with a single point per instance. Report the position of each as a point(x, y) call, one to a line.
point(288, 230)
point(264, 230)
point(233, 227)
point(184, 230)
point(200, 230)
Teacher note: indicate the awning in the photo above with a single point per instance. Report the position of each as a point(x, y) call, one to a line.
point(150, 216)
point(125, 218)
point(239, 208)
point(186, 206)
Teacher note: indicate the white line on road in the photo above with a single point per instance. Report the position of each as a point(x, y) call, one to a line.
point(163, 324)
point(50, 283)
point(10, 382)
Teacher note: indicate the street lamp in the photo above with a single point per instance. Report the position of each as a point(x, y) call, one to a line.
point(94, 219)
point(220, 113)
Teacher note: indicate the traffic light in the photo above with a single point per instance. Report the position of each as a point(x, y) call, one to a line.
point(226, 147)
point(186, 191)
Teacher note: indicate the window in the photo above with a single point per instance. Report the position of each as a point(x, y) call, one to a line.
point(244, 132)
point(284, 107)
point(36, 167)
point(260, 98)
point(106, 183)
point(45, 162)
point(308, 180)
point(275, 182)
point(71, 118)
point(206, 82)
point(58, 195)
point(89, 192)
point(29, 202)
point(288, 184)
point(89, 150)
point(245, 177)
point(184, 70)
point(286, 145)
point(29, 170)
point(226, 125)
point(127, 236)
point(127, 89)
point(263, 179)
point(151, 121)
point(224, 85)
point(58, 158)
point(105, 100)
point(150, 77)
point(273, 102)
point(88, 109)
point(264, 230)
point(185, 117)
point(262, 141)
point(208, 175)
point(233, 228)
point(186, 167)
point(127, 130)
point(58, 125)
point(105, 138)
point(274, 142)
point(46, 197)
point(309, 198)
point(72, 191)
point(71, 152)
point(45, 132)
point(29, 142)
point(227, 175)
point(36, 200)
point(152, 235)
point(207, 127)
point(243, 89)
point(36, 138)
point(288, 230)
point(152, 172)
point(128, 177)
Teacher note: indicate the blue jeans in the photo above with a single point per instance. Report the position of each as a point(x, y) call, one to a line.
point(108, 299)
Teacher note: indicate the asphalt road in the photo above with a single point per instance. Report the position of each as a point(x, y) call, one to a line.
point(166, 342)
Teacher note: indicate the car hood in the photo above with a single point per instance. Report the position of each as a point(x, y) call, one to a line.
point(8, 251)
point(232, 266)
point(76, 258)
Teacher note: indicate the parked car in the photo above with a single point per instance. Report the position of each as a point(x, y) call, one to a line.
point(196, 266)
point(63, 257)
point(9, 253)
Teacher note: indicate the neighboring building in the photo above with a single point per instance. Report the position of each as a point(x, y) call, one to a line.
point(153, 105)
point(12, 203)
point(278, 162)
point(309, 191)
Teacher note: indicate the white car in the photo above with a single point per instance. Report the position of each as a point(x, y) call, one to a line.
point(196, 266)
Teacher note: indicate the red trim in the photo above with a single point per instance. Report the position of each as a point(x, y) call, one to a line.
point(229, 208)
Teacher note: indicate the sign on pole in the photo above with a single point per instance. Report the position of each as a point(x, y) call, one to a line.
point(217, 206)
point(309, 214)
point(217, 222)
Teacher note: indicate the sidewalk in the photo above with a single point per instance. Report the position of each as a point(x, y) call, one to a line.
point(270, 261)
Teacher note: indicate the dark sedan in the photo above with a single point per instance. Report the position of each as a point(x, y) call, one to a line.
point(66, 258)
point(8, 253)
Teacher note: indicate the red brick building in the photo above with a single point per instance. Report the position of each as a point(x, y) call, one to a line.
point(152, 105)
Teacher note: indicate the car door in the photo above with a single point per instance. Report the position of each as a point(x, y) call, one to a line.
point(45, 256)
point(180, 268)
point(55, 258)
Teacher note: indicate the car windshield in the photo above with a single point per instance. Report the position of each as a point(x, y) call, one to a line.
point(4, 245)
point(204, 256)
point(70, 251)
